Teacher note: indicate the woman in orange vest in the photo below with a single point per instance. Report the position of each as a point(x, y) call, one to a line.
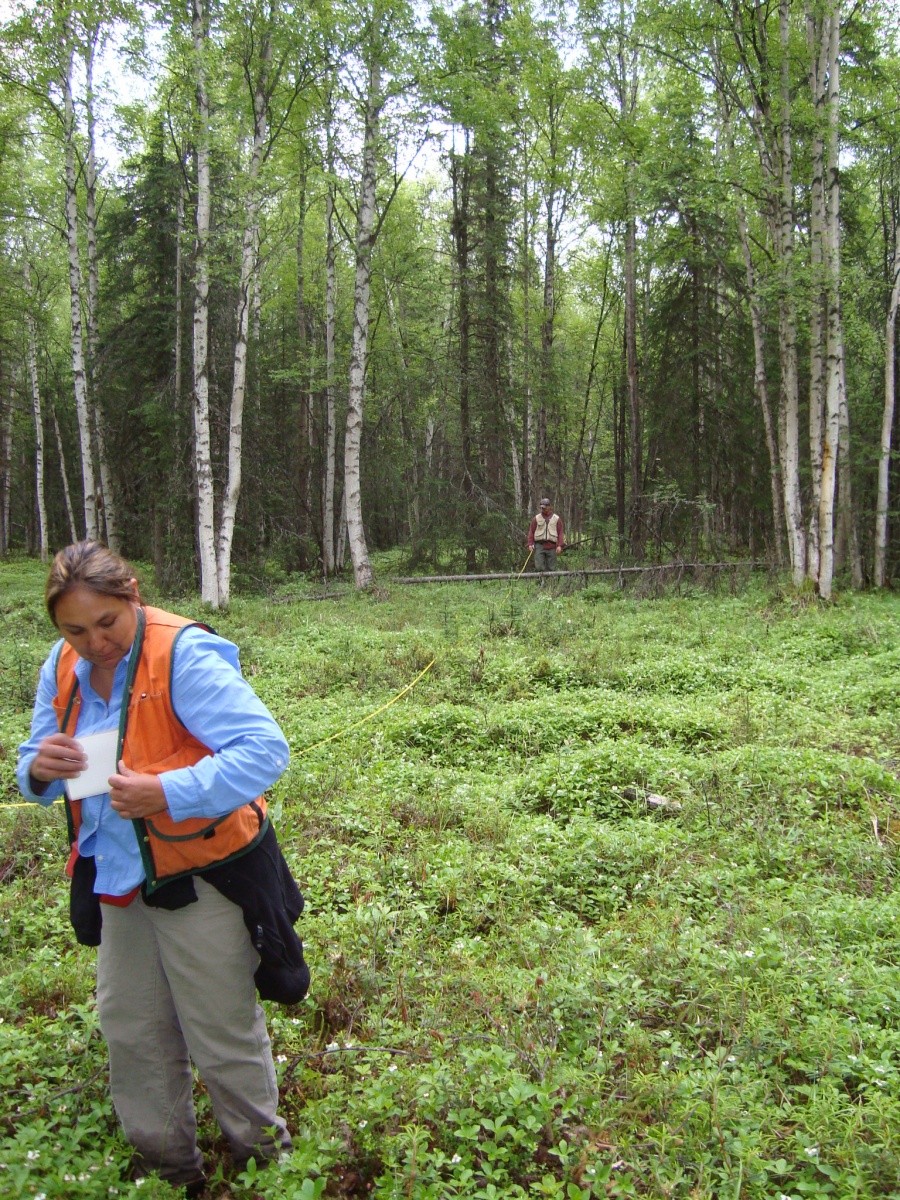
point(176, 873)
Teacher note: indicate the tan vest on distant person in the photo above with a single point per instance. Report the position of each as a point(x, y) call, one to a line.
point(546, 531)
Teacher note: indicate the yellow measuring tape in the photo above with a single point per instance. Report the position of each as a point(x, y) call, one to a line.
point(372, 715)
point(306, 750)
point(524, 565)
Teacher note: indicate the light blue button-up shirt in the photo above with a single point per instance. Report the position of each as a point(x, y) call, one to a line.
point(214, 702)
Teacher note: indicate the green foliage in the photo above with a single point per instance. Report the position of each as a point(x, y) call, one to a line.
point(525, 981)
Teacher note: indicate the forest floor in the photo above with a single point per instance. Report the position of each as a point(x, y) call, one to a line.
point(525, 981)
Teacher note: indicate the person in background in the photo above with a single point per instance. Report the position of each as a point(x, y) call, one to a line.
point(545, 537)
point(176, 873)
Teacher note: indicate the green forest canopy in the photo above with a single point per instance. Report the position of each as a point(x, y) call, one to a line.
point(416, 266)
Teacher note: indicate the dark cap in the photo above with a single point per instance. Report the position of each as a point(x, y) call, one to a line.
point(545, 503)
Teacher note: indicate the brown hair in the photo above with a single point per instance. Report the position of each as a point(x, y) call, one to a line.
point(89, 565)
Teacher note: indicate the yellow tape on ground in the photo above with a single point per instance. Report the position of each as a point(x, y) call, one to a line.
point(331, 738)
point(356, 724)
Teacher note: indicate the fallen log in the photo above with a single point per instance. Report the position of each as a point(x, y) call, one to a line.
point(501, 575)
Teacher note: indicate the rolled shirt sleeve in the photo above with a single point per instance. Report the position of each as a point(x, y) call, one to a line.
point(217, 705)
point(43, 724)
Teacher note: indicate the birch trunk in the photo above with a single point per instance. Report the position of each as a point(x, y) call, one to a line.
point(761, 385)
point(328, 481)
point(67, 495)
point(529, 494)
point(107, 499)
point(789, 417)
point(818, 66)
point(38, 417)
point(249, 266)
point(179, 288)
point(834, 360)
point(79, 373)
point(206, 534)
point(509, 413)
point(365, 238)
point(887, 421)
point(547, 330)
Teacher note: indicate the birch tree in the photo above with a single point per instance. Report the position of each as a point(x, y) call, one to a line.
point(261, 93)
point(34, 385)
point(206, 532)
point(829, 33)
point(92, 41)
point(76, 286)
point(887, 419)
point(365, 242)
point(384, 26)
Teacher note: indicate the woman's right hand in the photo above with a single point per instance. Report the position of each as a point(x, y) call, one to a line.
point(59, 757)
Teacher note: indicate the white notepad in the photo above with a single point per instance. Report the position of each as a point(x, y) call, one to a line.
point(100, 749)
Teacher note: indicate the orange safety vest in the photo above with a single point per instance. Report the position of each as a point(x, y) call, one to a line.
point(152, 740)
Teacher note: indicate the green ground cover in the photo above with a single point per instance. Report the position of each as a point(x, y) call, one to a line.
point(526, 983)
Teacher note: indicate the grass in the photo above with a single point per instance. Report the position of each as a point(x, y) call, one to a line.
point(526, 983)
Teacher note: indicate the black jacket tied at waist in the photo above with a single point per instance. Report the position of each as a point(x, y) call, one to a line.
point(258, 882)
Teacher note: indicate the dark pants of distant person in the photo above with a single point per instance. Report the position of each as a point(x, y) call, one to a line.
point(544, 557)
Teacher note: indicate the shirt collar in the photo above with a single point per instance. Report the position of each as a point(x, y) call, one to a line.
point(83, 669)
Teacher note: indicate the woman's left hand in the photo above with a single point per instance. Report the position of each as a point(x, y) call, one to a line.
point(133, 795)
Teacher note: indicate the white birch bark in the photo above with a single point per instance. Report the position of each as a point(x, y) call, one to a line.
point(38, 417)
point(817, 49)
point(365, 238)
point(108, 503)
point(510, 415)
point(887, 421)
point(249, 266)
point(67, 495)
point(834, 357)
point(761, 386)
point(789, 416)
point(79, 373)
point(328, 481)
point(179, 289)
point(206, 534)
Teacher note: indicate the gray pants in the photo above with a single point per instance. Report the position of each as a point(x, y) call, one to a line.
point(544, 558)
point(174, 987)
